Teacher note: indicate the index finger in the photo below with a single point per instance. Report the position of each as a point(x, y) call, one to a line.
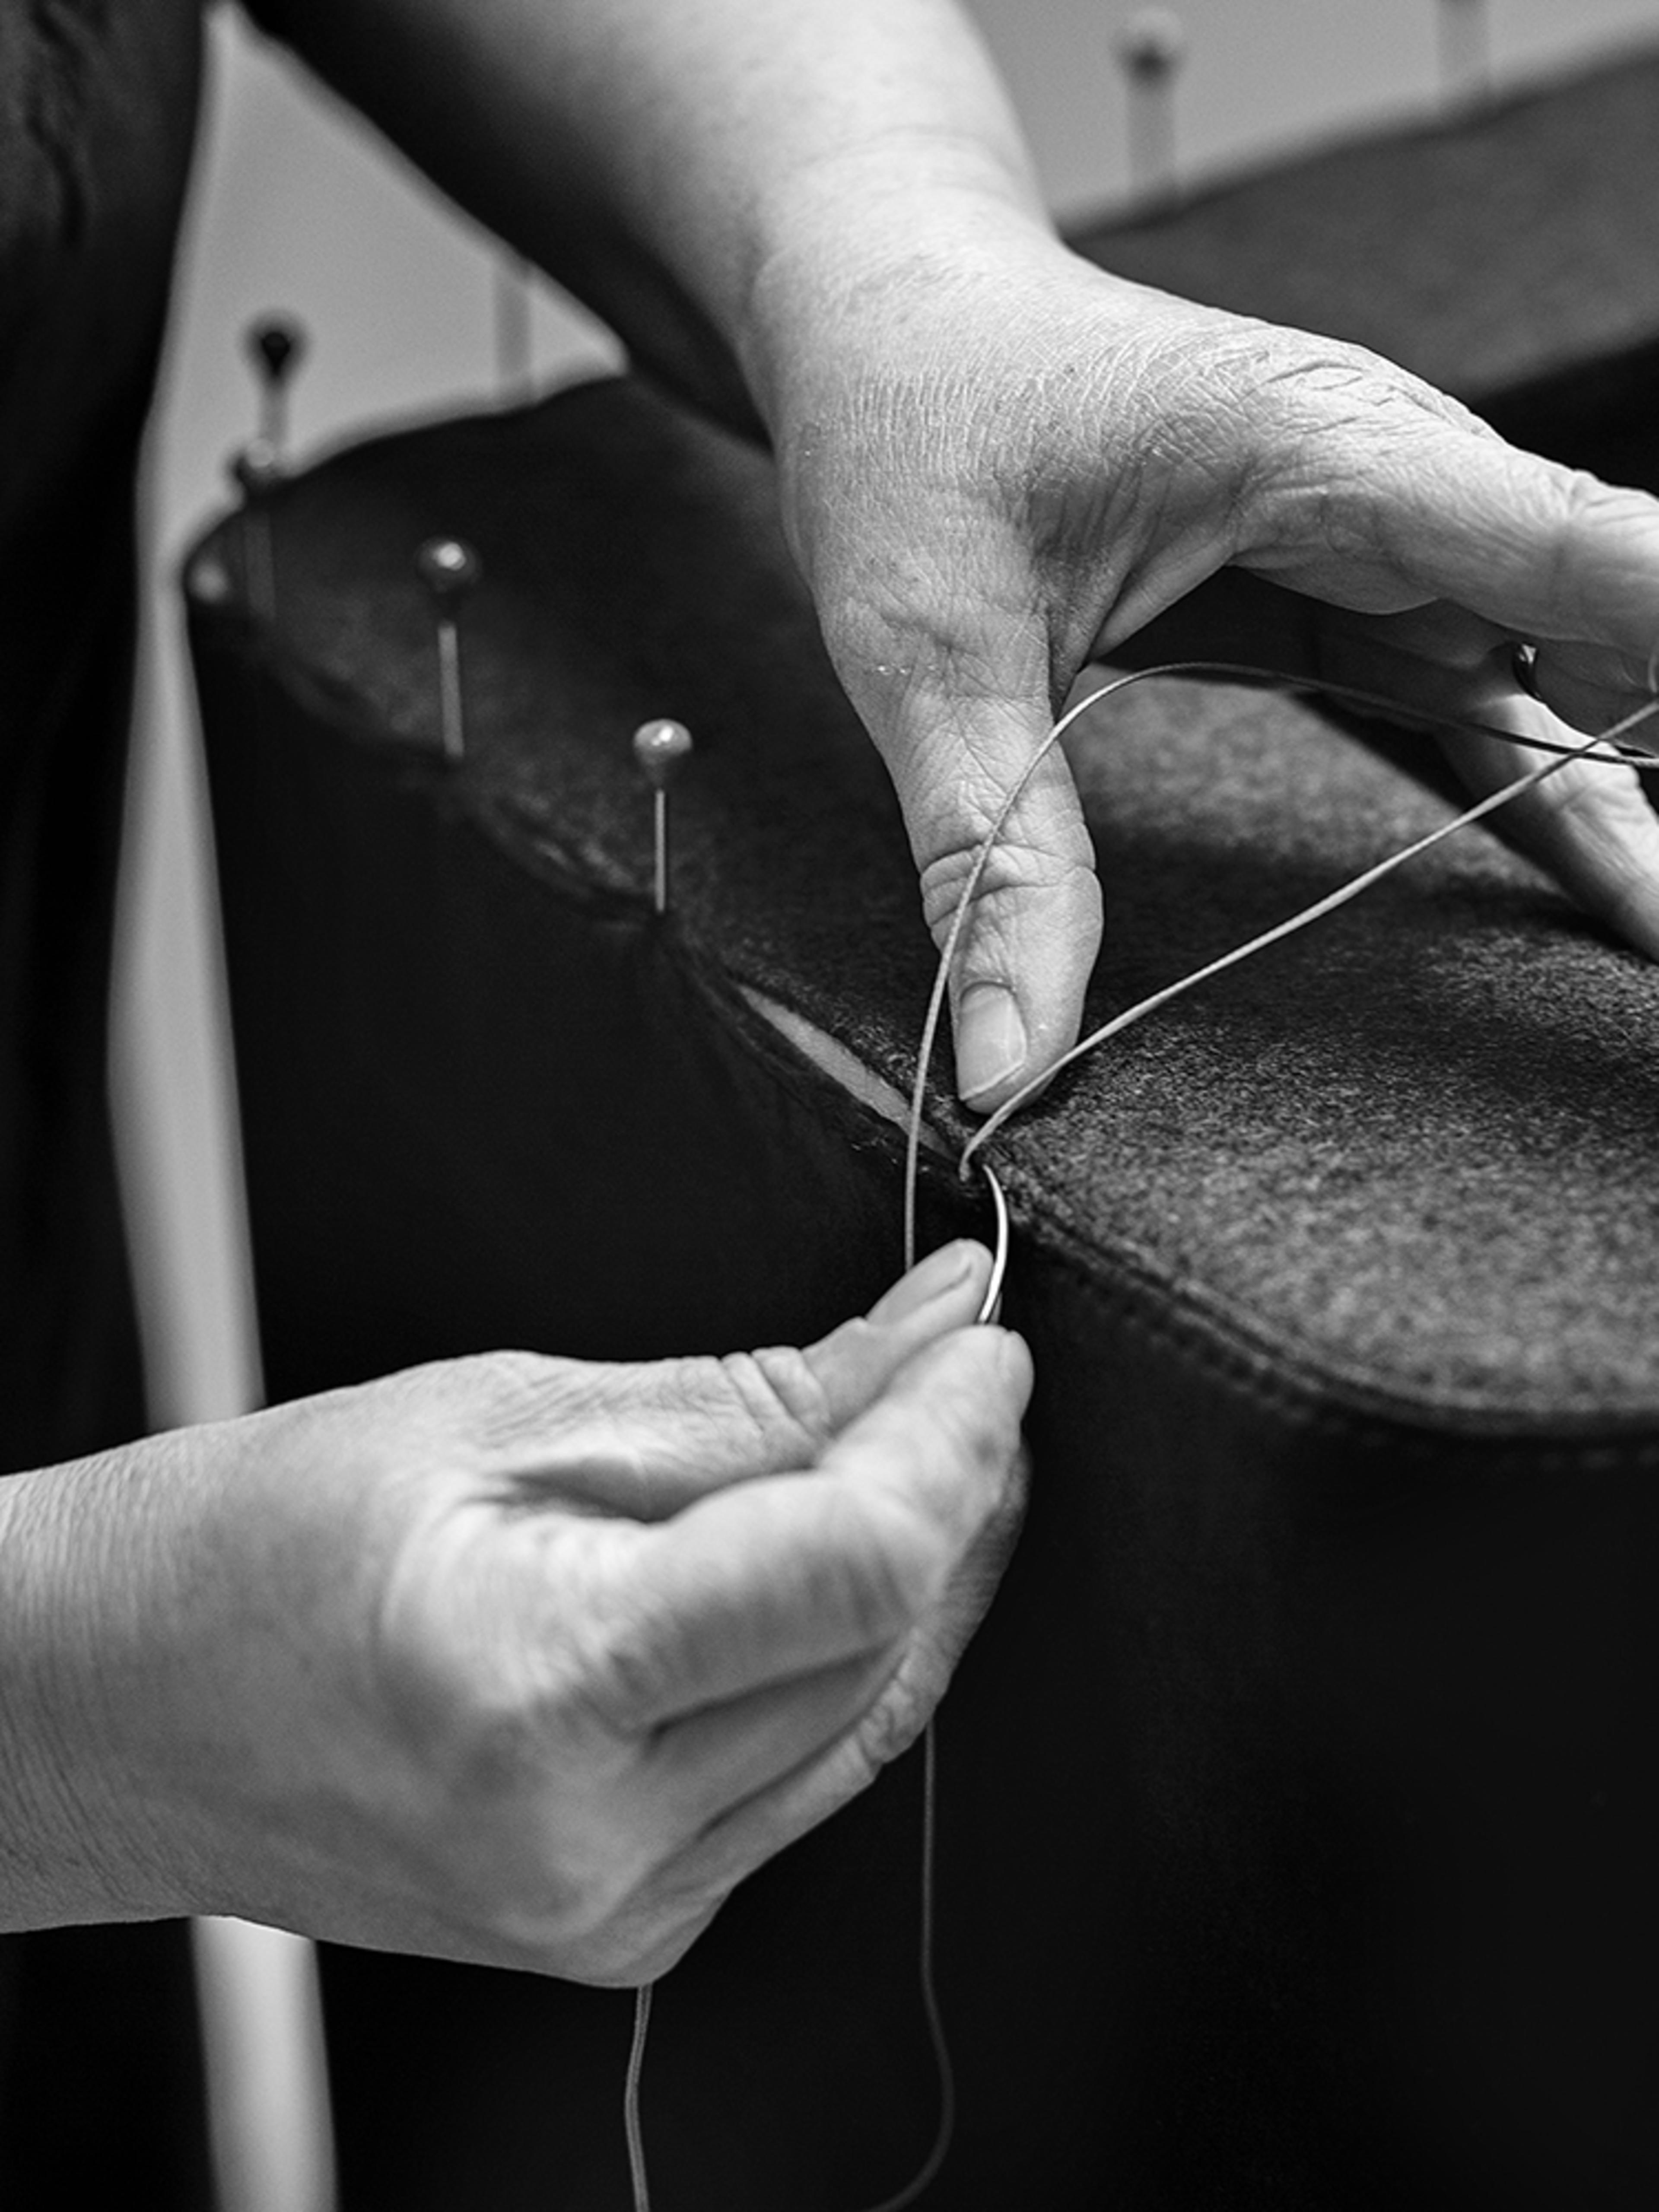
point(643, 1440)
point(1545, 552)
point(783, 1576)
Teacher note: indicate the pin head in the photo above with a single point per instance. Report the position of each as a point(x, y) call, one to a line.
point(255, 468)
point(659, 747)
point(209, 580)
point(448, 567)
point(1152, 43)
point(276, 346)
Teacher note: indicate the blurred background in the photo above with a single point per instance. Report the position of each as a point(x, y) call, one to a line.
point(299, 207)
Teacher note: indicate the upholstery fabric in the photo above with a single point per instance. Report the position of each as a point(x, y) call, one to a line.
point(1297, 1823)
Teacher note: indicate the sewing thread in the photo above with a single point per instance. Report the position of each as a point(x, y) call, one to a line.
point(638, 2180)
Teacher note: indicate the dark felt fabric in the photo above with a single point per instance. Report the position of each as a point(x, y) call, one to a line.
point(1310, 1159)
point(1296, 1818)
point(1483, 251)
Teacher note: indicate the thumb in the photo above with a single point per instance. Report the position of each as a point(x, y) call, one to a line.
point(956, 744)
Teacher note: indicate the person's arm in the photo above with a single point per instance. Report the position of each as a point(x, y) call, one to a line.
point(516, 1659)
point(996, 460)
point(653, 154)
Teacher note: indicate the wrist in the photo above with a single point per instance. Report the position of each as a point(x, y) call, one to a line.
point(866, 236)
point(77, 1841)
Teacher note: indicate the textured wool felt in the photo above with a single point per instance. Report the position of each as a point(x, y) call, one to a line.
point(1296, 1831)
point(1312, 1160)
point(1484, 249)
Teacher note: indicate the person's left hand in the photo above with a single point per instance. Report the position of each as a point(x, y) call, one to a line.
point(520, 1661)
point(998, 462)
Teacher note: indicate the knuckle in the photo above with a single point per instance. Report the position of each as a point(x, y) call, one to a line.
point(778, 1393)
point(618, 1655)
point(547, 1911)
point(527, 1864)
point(1573, 796)
point(516, 1791)
point(1601, 812)
point(625, 1667)
point(949, 639)
point(638, 1943)
point(900, 1555)
point(488, 1374)
point(1329, 429)
point(1585, 507)
point(1586, 501)
point(893, 1725)
point(519, 1383)
point(489, 1708)
point(472, 1735)
point(495, 1395)
point(1016, 866)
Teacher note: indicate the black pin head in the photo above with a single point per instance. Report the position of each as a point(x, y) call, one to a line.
point(256, 469)
point(449, 568)
point(1152, 45)
point(276, 346)
point(659, 747)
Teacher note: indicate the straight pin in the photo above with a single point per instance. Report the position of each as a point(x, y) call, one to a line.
point(1152, 45)
point(659, 747)
point(255, 472)
point(449, 568)
point(276, 345)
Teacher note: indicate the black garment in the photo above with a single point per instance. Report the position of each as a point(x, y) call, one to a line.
point(99, 2071)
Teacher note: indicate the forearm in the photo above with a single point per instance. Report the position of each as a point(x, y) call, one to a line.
point(73, 1839)
point(658, 155)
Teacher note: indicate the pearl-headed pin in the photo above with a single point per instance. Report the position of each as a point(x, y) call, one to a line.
point(449, 568)
point(1152, 45)
point(256, 471)
point(659, 747)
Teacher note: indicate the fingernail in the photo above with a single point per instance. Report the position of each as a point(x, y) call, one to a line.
point(943, 1271)
point(991, 1041)
point(1016, 1357)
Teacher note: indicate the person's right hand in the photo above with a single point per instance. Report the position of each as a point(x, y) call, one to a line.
point(514, 1659)
point(998, 463)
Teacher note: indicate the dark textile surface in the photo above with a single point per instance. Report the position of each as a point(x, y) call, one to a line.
point(1333, 1203)
point(1296, 1818)
point(1482, 250)
point(100, 2079)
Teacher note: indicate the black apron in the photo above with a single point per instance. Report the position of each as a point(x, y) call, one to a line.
point(99, 2074)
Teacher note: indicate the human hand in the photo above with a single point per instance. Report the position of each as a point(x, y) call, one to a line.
point(524, 1660)
point(999, 462)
